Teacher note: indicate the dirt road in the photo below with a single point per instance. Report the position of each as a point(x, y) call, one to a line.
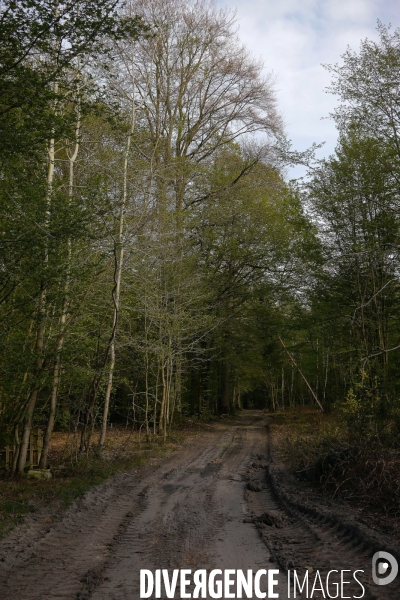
point(217, 503)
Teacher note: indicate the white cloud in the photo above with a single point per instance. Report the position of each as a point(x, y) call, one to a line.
point(347, 12)
point(294, 37)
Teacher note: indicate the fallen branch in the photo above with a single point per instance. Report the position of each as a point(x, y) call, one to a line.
point(303, 376)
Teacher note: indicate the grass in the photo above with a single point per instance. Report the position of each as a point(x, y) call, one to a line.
point(73, 478)
point(12, 513)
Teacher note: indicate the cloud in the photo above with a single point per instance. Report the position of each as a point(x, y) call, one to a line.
point(294, 37)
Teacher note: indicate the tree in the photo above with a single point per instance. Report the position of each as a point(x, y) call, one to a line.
point(198, 89)
point(146, 228)
point(355, 199)
point(40, 40)
point(367, 84)
point(250, 237)
point(45, 44)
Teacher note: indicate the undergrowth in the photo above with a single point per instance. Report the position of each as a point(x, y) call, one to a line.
point(362, 468)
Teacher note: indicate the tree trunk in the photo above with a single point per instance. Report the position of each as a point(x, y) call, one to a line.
point(119, 257)
point(30, 407)
point(225, 404)
point(63, 318)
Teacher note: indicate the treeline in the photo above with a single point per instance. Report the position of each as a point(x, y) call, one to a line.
point(154, 261)
point(353, 327)
point(344, 330)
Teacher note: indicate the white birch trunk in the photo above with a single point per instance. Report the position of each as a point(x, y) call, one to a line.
point(64, 312)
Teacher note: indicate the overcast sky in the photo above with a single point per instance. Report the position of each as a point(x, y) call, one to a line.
point(294, 37)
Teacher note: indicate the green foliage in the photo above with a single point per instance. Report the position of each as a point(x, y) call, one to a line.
point(164, 258)
point(40, 42)
point(361, 409)
point(367, 86)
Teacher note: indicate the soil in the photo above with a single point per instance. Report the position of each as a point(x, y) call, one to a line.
point(224, 501)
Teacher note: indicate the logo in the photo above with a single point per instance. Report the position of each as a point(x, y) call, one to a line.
point(384, 568)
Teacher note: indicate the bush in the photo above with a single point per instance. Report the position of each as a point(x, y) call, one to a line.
point(350, 460)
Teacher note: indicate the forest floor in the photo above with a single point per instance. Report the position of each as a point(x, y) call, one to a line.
point(223, 500)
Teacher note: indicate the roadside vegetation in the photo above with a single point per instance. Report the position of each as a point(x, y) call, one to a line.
point(357, 467)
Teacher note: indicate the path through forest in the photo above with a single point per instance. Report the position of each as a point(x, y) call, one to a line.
point(214, 504)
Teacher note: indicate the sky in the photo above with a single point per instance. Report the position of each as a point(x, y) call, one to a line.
point(294, 38)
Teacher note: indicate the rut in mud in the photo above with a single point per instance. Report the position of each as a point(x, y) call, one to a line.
point(217, 503)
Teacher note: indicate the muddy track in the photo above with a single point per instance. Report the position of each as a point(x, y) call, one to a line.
point(305, 534)
point(219, 502)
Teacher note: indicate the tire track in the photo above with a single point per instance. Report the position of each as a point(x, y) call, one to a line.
point(58, 560)
point(220, 502)
point(305, 537)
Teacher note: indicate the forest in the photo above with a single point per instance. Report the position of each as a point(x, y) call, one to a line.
point(156, 262)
